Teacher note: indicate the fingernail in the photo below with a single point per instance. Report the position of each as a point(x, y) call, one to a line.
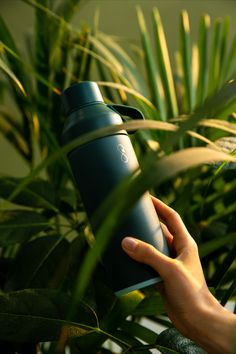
point(130, 243)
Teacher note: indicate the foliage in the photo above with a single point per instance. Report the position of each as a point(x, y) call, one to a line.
point(53, 288)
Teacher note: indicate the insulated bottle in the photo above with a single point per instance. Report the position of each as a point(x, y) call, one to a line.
point(98, 166)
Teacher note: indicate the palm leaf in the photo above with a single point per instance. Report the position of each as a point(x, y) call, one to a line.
point(12, 76)
point(154, 80)
point(164, 63)
point(186, 60)
point(203, 58)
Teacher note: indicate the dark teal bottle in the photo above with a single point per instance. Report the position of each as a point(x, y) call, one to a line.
point(98, 167)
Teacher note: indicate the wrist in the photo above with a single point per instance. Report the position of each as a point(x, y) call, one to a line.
point(216, 329)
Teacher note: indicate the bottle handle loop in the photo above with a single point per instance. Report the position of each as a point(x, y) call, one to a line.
point(127, 111)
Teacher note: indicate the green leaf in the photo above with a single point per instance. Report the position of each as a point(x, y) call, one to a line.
point(12, 76)
point(67, 9)
point(229, 293)
point(150, 306)
point(164, 63)
point(12, 132)
point(223, 49)
point(219, 124)
point(153, 77)
point(226, 95)
point(15, 66)
point(39, 316)
point(186, 59)
point(18, 226)
point(215, 68)
point(38, 194)
point(229, 67)
point(40, 263)
point(139, 331)
point(203, 40)
point(211, 246)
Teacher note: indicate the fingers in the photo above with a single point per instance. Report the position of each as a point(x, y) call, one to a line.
point(146, 253)
point(174, 224)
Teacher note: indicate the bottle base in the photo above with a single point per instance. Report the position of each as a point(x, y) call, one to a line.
point(138, 286)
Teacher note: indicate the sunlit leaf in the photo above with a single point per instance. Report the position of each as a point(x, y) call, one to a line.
point(164, 63)
point(154, 80)
point(13, 77)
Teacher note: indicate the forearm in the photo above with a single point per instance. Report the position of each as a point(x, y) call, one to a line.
point(215, 331)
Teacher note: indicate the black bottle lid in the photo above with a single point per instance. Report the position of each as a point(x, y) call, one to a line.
point(81, 94)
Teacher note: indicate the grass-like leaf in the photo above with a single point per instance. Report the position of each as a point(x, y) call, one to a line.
point(186, 59)
point(214, 70)
point(18, 226)
point(13, 77)
point(164, 63)
point(153, 77)
point(203, 41)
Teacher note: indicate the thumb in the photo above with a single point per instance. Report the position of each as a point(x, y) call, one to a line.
point(144, 252)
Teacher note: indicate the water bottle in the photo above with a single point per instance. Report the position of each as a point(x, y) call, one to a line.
point(98, 166)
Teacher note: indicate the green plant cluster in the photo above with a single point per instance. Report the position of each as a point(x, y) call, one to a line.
point(53, 289)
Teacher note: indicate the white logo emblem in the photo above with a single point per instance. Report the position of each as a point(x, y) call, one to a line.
point(123, 156)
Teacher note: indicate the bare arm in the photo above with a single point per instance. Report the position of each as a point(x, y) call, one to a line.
point(192, 308)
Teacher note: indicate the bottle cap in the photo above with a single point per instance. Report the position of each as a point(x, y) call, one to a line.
point(81, 94)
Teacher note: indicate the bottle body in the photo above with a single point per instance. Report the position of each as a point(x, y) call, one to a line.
point(98, 167)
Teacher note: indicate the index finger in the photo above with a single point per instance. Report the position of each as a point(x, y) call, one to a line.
point(173, 222)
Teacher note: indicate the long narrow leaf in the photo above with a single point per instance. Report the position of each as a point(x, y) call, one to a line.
point(223, 49)
point(13, 77)
point(157, 93)
point(186, 56)
point(215, 57)
point(203, 41)
point(164, 63)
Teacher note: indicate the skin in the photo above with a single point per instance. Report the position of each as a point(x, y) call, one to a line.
point(191, 307)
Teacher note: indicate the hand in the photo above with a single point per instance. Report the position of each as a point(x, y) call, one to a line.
point(192, 308)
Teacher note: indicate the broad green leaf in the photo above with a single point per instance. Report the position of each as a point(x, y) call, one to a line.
point(17, 226)
point(39, 316)
point(38, 194)
point(164, 64)
point(40, 263)
point(150, 306)
point(139, 331)
point(12, 76)
point(153, 77)
point(186, 59)
point(203, 40)
point(123, 307)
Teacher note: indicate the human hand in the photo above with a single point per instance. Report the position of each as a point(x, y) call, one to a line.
point(192, 308)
